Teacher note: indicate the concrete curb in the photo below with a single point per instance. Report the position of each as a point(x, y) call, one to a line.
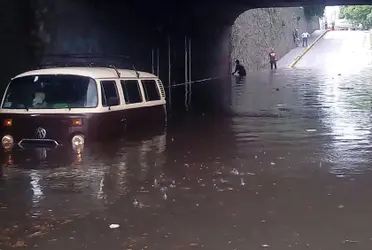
point(307, 49)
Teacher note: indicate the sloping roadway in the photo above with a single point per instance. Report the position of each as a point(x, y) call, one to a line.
point(338, 51)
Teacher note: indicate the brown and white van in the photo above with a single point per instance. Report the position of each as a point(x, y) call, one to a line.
point(56, 106)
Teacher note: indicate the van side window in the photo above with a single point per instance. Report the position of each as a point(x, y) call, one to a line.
point(110, 95)
point(131, 91)
point(151, 90)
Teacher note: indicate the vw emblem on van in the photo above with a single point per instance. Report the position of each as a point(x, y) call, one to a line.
point(41, 133)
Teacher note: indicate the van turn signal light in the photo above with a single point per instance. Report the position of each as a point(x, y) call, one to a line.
point(77, 122)
point(8, 122)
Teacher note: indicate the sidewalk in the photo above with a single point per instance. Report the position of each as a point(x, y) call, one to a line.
point(289, 58)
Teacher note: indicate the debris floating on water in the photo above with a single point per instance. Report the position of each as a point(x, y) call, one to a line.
point(234, 172)
point(242, 182)
point(265, 246)
point(113, 226)
point(156, 184)
point(20, 243)
point(135, 203)
point(173, 185)
point(346, 88)
point(349, 241)
point(223, 180)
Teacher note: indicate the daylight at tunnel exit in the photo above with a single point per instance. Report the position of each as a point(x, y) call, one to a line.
point(188, 125)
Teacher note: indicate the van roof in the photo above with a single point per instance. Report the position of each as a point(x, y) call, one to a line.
point(93, 72)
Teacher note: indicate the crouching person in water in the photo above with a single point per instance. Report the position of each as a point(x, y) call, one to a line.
point(272, 58)
point(240, 69)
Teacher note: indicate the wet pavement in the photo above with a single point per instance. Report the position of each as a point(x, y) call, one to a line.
point(291, 56)
point(339, 51)
point(283, 163)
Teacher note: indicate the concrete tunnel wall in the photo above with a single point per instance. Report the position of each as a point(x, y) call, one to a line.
point(35, 28)
point(15, 44)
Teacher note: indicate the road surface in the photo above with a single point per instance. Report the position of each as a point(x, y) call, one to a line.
point(285, 163)
point(339, 51)
point(291, 56)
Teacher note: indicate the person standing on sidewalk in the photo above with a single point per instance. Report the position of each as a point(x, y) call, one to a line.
point(305, 36)
point(272, 58)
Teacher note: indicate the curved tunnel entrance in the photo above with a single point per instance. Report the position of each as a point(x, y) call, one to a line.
point(256, 31)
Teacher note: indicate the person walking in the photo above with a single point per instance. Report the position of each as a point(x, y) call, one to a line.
point(239, 68)
point(305, 36)
point(272, 58)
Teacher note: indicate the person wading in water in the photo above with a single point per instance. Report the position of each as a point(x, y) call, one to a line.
point(272, 58)
point(240, 69)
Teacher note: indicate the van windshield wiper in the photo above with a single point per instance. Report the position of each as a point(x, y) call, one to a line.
point(25, 105)
point(67, 106)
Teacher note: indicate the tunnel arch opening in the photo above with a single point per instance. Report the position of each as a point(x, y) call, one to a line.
point(256, 31)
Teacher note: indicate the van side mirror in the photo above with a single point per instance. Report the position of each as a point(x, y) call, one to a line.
point(112, 101)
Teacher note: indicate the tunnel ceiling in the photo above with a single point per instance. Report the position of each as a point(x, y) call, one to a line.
point(216, 11)
point(250, 3)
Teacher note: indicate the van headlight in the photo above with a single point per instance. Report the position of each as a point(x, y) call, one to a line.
point(77, 142)
point(7, 141)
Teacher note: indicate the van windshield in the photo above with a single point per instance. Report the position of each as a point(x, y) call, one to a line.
point(51, 92)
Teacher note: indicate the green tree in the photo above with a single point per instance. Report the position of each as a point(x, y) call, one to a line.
point(358, 14)
point(314, 10)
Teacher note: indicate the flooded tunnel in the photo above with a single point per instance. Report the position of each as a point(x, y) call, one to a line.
point(183, 42)
point(280, 160)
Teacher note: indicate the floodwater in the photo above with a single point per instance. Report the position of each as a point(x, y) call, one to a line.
point(279, 160)
point(285, 164)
